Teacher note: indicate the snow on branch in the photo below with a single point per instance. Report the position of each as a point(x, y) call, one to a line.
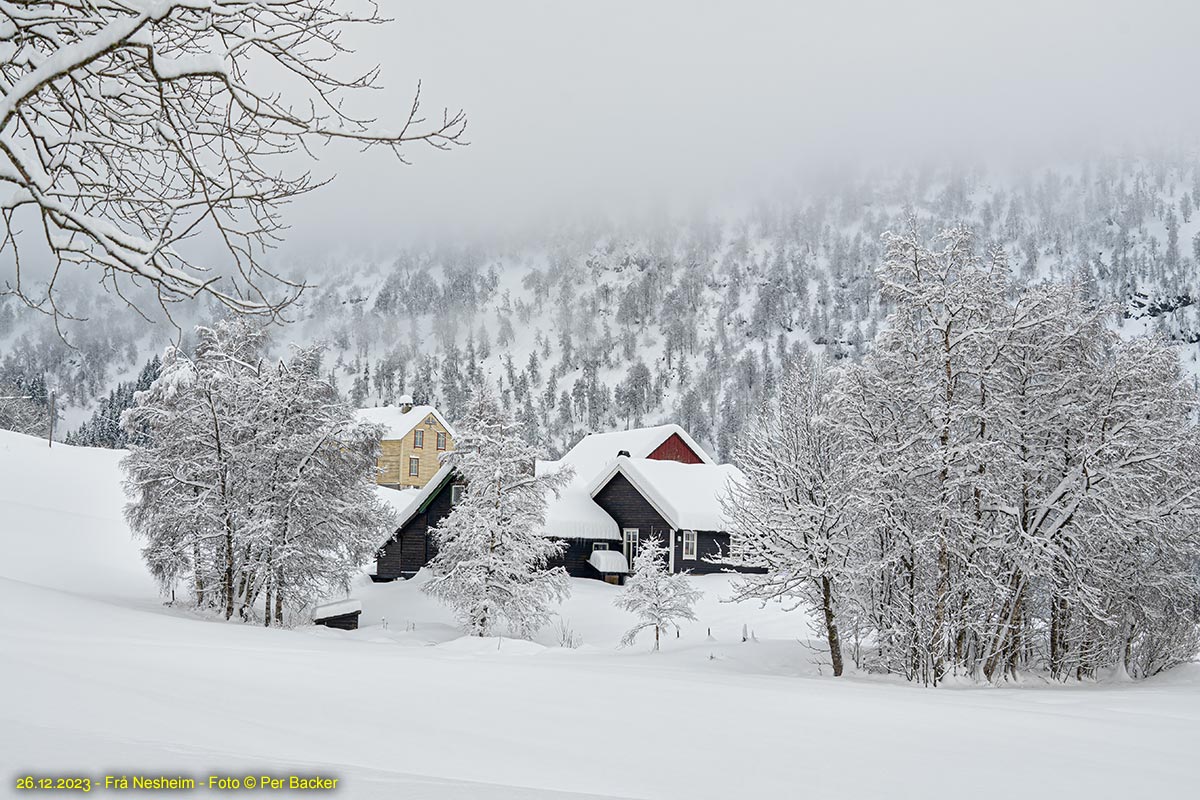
point(128, 128)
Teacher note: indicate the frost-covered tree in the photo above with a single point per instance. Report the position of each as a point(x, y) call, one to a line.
point(492, 560)
point(791, 514)
point(659, 599)
point(129, 127)
point(25, 405)
point(104, 429)
point(251, 482)
point(1023, 480)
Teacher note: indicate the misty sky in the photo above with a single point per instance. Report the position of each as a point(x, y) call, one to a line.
point(580, 106)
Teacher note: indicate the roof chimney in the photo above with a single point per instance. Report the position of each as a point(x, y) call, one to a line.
point(406, 403)
point(622, 453)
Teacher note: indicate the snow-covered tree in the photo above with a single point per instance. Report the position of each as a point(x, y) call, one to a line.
point(25, 406)
point(129, 127)
point(251, 483)
point(790, 516)
point(1023, 479)
point(492, 560)
point(661, 600)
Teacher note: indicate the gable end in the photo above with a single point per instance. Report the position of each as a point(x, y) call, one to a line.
point(675, 449)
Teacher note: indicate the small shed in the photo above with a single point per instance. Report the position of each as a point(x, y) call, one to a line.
point(342, 614)
point(611, 565)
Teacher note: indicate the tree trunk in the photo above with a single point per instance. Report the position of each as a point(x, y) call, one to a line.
point(267, 609)
point(227, 581)
point(831, 631)
point(197, 575)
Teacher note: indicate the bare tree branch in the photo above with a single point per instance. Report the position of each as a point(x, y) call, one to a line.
point(131, 127)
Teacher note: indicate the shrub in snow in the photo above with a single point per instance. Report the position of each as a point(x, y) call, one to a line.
point(659, 598)
point(568, 637)
point(491, 558)
point(253, 483)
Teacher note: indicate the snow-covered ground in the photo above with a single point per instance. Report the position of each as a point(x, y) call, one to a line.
point(98, 677)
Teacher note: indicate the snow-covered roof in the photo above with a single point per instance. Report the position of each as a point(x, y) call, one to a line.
point(399, 499)
point(596, 450)
point(573, 513)
point(688, 496)
point(610, 562)
point(336, 609)
point(397, 423)
point(415, 498)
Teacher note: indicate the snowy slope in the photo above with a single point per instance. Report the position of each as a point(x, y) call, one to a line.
point(97, 675)
point(693, 311)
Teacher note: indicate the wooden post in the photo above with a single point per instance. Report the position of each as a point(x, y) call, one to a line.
point(50, 427)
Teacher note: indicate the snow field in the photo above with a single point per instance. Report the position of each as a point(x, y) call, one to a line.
point(100, 677)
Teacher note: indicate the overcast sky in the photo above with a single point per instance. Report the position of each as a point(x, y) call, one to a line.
point(576, 106)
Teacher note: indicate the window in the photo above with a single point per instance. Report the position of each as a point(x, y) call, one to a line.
point(418, 438)
point(455, 494)
point(689, 545)
point(441, 441)
point(599, 546)
point(631, 544)
point(414, 466)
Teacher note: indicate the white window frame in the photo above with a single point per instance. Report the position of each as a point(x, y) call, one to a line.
point(456, 491)
point(599, 546)
point(630, 536)
point(414, 466)
point(690, 538)
point(441, 440)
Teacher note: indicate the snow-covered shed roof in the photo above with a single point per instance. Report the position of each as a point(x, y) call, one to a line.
point(397, 423)
point(609, 562)
point(336, 609)
point(688, 496)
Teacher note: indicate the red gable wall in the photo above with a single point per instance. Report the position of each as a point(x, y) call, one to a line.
point(675, 449)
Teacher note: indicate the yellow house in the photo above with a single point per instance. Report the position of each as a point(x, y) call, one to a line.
point(415, 437)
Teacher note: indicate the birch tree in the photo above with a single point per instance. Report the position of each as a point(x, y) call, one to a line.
point(1023, 479)
point(250, 483)
point(129, 127)
point(790, 514)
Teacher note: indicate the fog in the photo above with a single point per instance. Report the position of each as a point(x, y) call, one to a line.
point(579, 108)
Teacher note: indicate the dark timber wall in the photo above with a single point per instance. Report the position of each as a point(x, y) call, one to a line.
point(412, 547)
point(345, 622)
point(575, 557)
point(626, 505)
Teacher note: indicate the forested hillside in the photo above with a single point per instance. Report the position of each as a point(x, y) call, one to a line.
point(690, 317)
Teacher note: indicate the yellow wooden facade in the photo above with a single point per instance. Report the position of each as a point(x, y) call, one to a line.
point(395, 459)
